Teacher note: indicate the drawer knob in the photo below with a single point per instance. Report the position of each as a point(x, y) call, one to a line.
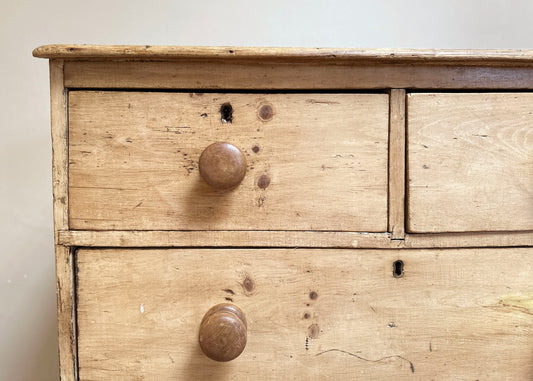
point(222, 165)
point(223, 332)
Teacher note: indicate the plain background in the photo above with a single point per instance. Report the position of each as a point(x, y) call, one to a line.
point(28, 344)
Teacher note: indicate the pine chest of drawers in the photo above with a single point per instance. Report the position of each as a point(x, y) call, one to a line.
point(292, 213)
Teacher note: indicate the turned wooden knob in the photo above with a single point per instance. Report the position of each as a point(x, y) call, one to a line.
point(222, 165)
point(223, 332)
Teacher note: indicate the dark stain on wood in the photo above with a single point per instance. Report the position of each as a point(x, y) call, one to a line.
point(265, 112)
point(263, 182)
point(313, 331)
point(248, 284)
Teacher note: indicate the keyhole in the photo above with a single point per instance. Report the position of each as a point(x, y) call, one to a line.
point(397, 269)
point(226, 113)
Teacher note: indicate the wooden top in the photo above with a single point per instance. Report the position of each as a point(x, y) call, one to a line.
point(148, 52)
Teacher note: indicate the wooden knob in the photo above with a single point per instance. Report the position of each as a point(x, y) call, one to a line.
point(223, 332)
point(222, 165)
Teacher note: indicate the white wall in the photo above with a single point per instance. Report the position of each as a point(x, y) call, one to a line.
point(27, 283)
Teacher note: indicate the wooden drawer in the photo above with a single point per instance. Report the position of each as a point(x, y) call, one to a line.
point(311, 313)
point(470, 162)
point(314, 161)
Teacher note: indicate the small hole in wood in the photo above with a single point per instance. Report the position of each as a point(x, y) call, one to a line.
point(397, 269)
point(226, 113)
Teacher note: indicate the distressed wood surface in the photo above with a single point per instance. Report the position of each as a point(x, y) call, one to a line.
point(315, 313)
point(63, 257)
point(225, 238)
point(250, 238)
point(478, 239)
point(271, 76)
point(66, 313)
point(315, 161)
point(470, 162)
point(455, 314)
point(58, 111)
point(397, 164)
point(423, 56)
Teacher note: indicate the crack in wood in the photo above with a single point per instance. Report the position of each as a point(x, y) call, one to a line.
point(411, 365)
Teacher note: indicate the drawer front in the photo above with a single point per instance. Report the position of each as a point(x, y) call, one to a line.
point(470, 160)
point(314, 161)
point(311, 314)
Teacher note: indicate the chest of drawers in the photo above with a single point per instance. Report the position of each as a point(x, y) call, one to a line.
point(298, 213)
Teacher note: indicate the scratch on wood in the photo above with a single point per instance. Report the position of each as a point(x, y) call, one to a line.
point(315, 101)
point(411, 365)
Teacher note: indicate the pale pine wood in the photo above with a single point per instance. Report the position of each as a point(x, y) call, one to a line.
point(58, 110)
point(134, 156)
point(289, 239)
point(63, 257)
point(397, 164)
point(314, 314)
point(480, 239)
point(470, 162)
point(422, 56)
point(66, 312)
point(455, 314)
point(271, 76)
point(225, 238)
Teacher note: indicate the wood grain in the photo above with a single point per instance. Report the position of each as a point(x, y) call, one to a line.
point(397, 164)
point(470, 162)
point(58, 111)
point(63, 257)
point(66, 313)
point(478, 239)
point(455, 314)
point(224, 238)
point(420, 56)
point(134, 161)
point(290, 239)
point(271, 76)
